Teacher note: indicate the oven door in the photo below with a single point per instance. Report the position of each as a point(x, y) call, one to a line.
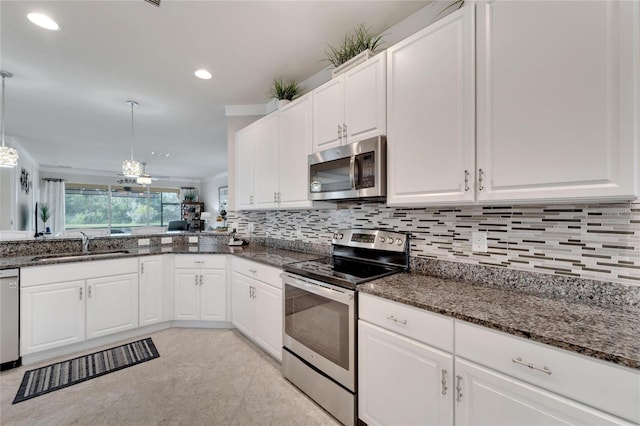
point(319, 326)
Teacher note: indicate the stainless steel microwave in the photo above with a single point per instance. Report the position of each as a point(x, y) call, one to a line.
point(355, 170)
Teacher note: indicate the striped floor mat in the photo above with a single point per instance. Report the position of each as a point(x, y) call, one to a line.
point(66, 373)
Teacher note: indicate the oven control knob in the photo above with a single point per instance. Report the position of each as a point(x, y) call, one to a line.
point(340, 236)
point(390, 240)
point(399, 241)
point(382, 239)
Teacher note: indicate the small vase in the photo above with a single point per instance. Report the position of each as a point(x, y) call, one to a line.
point(282, 102)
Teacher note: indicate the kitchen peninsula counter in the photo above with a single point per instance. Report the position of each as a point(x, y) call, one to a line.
point(610, 334)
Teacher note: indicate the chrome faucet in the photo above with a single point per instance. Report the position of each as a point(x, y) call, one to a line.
point(85, 243)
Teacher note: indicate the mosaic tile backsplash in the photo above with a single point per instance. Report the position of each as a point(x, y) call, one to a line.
point(593, 241)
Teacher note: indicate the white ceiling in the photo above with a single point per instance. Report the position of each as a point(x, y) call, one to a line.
point(66, 102)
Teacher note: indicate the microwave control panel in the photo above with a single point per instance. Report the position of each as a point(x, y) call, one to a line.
point(366, 166)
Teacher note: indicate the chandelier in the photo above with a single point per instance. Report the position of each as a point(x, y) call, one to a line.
point(132, 168)
point(8, 155)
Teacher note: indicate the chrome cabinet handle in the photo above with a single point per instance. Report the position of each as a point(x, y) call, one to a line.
point(543, 369)
point(196, 279)
point(253, 271)
point(459, 388)
point(466, 180)
point(480, 177)
point(340, 133)
point(142, 268)
point(344, 132)
point(443, 382)
point(80, 293)
point(396, 320)
point(89, 292)
point(198, 261)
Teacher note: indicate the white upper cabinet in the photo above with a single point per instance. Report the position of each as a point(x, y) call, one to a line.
point(431, 114)
point(557, 100)
point(266, 155)
point(351, 106)
point(244, 168)
point(295, 147)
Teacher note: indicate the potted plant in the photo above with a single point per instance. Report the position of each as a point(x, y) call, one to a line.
point(355, 48)
point(45, 214)
point(190, 194)
point(284, 92)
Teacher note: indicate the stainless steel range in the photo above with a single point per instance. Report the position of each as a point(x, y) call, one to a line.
point(320, 314)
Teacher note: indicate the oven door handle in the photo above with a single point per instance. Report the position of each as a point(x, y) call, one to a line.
point(319, 289)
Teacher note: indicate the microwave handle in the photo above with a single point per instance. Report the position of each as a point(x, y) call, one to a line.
point(356, 173)
point(352, 172)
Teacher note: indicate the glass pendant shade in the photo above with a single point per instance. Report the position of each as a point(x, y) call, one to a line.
point(8, 155)
point(131, 168)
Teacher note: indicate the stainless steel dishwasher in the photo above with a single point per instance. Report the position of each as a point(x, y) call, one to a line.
point(9, 319)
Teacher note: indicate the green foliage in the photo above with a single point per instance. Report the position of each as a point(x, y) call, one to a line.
point(281, 90)
point(45, 213)
point(354, 43)
point(190, 195)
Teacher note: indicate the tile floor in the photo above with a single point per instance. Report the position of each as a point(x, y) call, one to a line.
point(203, 377)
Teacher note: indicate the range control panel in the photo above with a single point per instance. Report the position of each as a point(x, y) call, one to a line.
point(371, 239)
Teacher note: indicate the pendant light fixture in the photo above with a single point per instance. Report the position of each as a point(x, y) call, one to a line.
point(132, 168)
point(8, 155)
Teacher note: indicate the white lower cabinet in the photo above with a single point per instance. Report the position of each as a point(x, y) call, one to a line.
point(409, 374)
point(200, 294)
point(486, 397)
point(402, 381)
point(256, 304)
point(51, 316)
point(151, 290)
point(112, 304)
point(69, 303)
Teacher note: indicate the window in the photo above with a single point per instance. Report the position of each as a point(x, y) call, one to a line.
point(119, 208)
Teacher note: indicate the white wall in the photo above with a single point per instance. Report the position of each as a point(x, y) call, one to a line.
point(17, 206)
point(209, 192)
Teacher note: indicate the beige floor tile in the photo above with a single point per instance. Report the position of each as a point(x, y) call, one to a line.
point(203, 377)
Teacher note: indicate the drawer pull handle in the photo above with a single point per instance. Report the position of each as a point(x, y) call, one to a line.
point(459, 389)
point(519, 360)
point(394, 319)
point(253, 271)
point(444, 381)
point(198, 261)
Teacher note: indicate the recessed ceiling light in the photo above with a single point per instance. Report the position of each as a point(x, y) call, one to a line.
point(43, 21)
point(203, 74)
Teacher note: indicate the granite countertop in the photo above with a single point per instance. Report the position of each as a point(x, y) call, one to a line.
point(263, 254)
point(609, 334)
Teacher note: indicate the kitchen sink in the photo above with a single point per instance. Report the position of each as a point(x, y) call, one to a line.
point(91, 254)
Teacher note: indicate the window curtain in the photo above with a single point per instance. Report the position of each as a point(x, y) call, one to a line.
point(53, 195)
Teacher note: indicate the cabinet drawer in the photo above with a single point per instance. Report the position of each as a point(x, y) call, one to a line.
point(48, 274)
point(602, 385)
point(433, 329)
point(218, 261)
point(265, 273)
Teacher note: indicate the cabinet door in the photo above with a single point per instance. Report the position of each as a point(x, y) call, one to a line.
point(242, 309)
point(151, 289)
point(51, 316)
point(365, 100)
point(401, 381)
point(186, 299)
point(328, 114)
point(486, 397)
point(112, 304)
point(431, 114)
point(244, 168)
point(295, 147)
point(268, 318)
point(266, 158)
point(556, 101)
point(213, 294)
